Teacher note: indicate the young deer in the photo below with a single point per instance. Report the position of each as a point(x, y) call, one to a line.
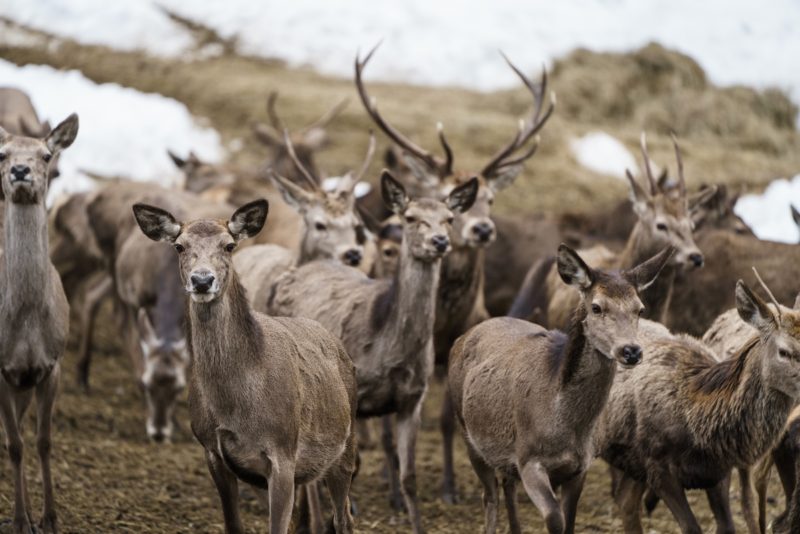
point(19, 117)
point(333, 230)
point(272, 400)
point(386, 325)
point(664, 218)
point(34, 314)
point(683, 420)
point(528, 398)
point(460, 304)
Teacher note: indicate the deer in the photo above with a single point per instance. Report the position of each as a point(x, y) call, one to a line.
point(528, 398)
point(683, 419)
point(19, 117)
point(726, 336)
point(272, 400)
point(34, 313)
point(664, 219)
point(333, 229)
point(460, 300)
point(386, 325)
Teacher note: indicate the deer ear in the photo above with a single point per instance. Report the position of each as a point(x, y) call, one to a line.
point(315, 138)
point(248, 220)
point(62, 135)
point(752, 309)
point(463, 197)
point(505, 178)
point(292, 194)
point(267, 135)
point(157, 224)
point(702, 198)
point(573, 270)
point(393, 192)
point(639, 198)
point(646, 273)
point(177, 160)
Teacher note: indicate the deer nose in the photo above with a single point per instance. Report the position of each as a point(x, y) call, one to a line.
point(202, 282)
point(352, 257)
point(483, 231)
point(20, 172)
point(440, 242)
point(632, 354)
point(696, 259)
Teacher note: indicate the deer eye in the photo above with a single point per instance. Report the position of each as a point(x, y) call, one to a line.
point(179, 247)
point(230, 247)
point(411, 219)
point(596, 309)
point(783, 353)
point(47, 158)
point(641, 311)
point(2, 156)
point(662, 227)
point(389, 252)
point(450, 220)
point(320, 226)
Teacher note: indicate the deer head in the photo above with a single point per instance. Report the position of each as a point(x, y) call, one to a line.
point(426, 222)
point(610, 301)
point(779, 334)
point(25, 162)
point(664, 215)
point(163, 377)
point(200, 175)
point(204, 246)
point(334, 229)
point(305, 141)
point(435, 176)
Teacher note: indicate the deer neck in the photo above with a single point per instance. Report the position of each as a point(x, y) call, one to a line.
point(169, 311)
point(464, 267)
point(657, 297)
point(224, 334)
point(26, 255)
point(733, 412)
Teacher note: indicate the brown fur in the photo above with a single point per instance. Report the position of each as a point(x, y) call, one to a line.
point(34, 313)
point(19, 117)
point(273, 401)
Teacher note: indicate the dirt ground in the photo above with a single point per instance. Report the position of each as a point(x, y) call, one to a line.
point(110, 479)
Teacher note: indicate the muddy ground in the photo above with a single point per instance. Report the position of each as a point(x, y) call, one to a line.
point(110, 479)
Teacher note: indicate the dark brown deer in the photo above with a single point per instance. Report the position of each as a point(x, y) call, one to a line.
point(34, 314)
point(683, 420)
point(528, 398)
point(272, 400)
point(460, 299)
point(386, 325)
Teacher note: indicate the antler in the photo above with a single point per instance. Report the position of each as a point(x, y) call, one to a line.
point(274, 118)
point(367, 158)
point(328, 116)
point(442, 168)
point(681, 180)
point(647, 168)
point(771, 296)
point(524, 132)
point(310, 178)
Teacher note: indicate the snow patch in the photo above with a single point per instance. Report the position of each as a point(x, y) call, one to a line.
point(768, 214)
point(603, 154)
point(122, 132)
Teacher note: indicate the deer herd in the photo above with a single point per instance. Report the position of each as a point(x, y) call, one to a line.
point(295, 309)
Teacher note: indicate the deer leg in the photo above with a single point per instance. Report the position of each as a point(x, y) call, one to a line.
point(45, 400)
point(570, 494)
point(720, 504)
point(338, 480)
point(228, 489)
point(407, 428)
point(537, 485)
point(88, 312)
point(627, 494)
point(447, 423)
point(784, 459)
point(316, 520)
point(12, 409)
point(510, 494)
point(748, 510)
point(390, 452)
point(281, 495)
point(365, 440)
point(673, 495)
point(489, 482)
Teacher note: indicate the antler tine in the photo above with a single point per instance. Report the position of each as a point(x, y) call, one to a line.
point(771, 296)
point(681, 179)
point(448, 152)
point(525, 155)
point(648, 170)
point(274, 119)
point(312, 181)
point(369, 104)
point(524, 133)
point(368, 159)
point(329, 115)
